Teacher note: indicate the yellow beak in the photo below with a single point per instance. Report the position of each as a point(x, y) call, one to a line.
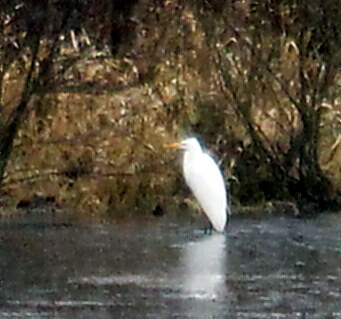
point(172, 145)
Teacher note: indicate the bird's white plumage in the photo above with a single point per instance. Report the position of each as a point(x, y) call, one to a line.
point(203, 176)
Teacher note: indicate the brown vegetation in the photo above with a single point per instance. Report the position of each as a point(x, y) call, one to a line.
point(89, 96)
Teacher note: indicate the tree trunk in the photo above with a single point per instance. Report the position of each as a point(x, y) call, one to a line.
point(313, 185)
point(10, 129)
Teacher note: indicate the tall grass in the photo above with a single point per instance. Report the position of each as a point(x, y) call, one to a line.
point(93, 136)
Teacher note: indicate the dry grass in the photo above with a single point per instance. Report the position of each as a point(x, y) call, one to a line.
point(95, 141)
point(100, 152)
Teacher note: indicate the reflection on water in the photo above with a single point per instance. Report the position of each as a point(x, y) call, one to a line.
point(203, 267)
point(203, 270)
point(272, 268)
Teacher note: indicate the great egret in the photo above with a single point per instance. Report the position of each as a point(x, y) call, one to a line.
point(204, 178)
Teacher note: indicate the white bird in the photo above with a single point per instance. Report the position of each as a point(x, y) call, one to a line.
point(204, 178)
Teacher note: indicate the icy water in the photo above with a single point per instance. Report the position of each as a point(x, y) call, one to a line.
point(161, 268)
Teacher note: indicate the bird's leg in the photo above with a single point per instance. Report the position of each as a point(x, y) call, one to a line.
point(208, 230)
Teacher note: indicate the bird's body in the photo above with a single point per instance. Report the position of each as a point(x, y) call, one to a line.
point(204, 178)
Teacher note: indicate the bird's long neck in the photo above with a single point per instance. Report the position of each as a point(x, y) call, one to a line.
point(190, 155)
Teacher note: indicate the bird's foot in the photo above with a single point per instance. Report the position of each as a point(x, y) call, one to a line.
point(208, 230)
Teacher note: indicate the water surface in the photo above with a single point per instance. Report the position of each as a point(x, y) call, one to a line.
point(161, 268)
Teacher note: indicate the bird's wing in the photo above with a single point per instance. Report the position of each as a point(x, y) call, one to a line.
point(207, 184)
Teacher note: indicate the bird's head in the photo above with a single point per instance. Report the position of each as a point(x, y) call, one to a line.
point(190, 144)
